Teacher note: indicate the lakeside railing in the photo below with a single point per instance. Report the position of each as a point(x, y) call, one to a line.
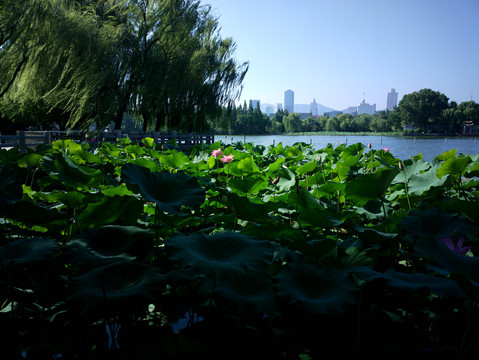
point(32, 139)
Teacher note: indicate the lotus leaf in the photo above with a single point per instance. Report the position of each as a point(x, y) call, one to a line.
point(116, 289)
point(170, 192)
point(28, 250)
point(370, 186)
point(221, 255)
point(318, 290)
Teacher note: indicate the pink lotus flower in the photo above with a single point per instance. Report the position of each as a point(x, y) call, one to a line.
point(386, 149)
point(459, 249)
point(216, 153)
point(227, 158)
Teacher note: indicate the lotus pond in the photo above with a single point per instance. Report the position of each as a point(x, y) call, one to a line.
point(135, 251)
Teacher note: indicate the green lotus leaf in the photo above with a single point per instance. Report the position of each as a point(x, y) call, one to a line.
point(221, 255)
point(31, 214)
point(293, 153)
point(317, 290)
point(287, 179)
point(170, 192)
point(147, 163)
point(307, 168)
point(473, 171)
point(115, 289)
point(120, 190)
point(454, 166)
point(373, 236)
point(28, 250)
point(350, 160)
point(247, 210)
point(174, 159)
point(72, 199)
point(127, 211)
point(113, 240)
point(418, 184)
point(135, 151)
point(60, 167)
point(29, 160)
point(446, 155)
point(386, 158)
point(274, 167)
point(148, 141)
point(370, 186)
point(66, 146)
point(245, 167)
point(250, 293)
point(433, 223)
point(411, 167)
point(329, 189)
point(311, 212)
point(447, 261)
point(248, 185)
point(412, 283)
point(10, 186)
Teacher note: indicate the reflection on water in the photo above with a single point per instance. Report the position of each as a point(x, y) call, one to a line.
point(400, 147)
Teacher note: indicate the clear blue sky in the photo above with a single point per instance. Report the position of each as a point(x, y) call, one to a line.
point(334, 50)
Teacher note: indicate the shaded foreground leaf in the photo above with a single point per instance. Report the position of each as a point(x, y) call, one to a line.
point(169, 191)
point(24, 251)
point(117, 289)
point(221, 255)
point(317, 290)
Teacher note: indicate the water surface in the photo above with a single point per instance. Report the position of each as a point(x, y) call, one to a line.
point(402, 147)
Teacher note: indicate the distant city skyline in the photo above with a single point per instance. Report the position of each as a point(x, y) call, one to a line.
point(334, 51)
point(361, 108)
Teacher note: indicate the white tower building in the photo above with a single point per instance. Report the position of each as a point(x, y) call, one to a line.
point(313, 109)
point(392, 99)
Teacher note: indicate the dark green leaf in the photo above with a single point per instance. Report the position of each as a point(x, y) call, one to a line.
point(370, 186)
point(169, 191)
point(317, 290)
point(221, 255)
point(25, 251)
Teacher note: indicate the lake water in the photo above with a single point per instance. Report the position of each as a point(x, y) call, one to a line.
point(402, 147)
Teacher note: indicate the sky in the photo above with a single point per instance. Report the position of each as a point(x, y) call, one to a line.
point(341, 51)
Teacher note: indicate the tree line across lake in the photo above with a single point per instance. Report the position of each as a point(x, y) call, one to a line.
point(425, 111)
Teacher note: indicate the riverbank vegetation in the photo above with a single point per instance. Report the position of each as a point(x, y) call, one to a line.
point(132, 250)
point(421, 112)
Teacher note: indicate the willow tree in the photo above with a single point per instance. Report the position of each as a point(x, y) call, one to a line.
point(94, 61)
point(68, 49)
point(187, 70)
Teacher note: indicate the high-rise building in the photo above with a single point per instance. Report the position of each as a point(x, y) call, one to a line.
point(313, 109)
point(289, 100)
point(392, 99)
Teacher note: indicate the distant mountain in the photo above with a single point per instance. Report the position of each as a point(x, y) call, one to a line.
point(306, 108)
point(301, 108)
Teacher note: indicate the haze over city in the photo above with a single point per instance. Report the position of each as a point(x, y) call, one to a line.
point(339, 51)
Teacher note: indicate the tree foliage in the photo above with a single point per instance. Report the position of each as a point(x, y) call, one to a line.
point(162, 61)
point(423, 108)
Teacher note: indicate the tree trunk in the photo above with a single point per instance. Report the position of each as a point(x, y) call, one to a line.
point(160, 119)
